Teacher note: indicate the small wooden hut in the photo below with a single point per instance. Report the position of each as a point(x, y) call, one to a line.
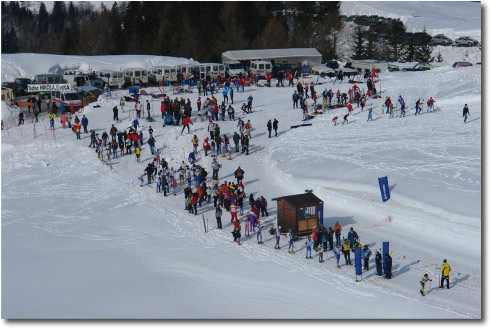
point(300, 213)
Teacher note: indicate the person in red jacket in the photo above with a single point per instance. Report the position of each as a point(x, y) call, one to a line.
point(206, 146)
point(185, 122)
point(162, 109)
point(194, 200)
point(268, 77)
point(337, 229)
point(199, 103)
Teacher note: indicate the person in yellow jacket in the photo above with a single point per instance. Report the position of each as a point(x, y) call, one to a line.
point(51, 117)
point(138, 153)
point(346, 252)
point(445, 269)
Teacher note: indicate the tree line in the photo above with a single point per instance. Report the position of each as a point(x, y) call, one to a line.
point(198, 30)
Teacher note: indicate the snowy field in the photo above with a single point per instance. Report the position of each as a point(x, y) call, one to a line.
point(91, 243)
point(80, 240)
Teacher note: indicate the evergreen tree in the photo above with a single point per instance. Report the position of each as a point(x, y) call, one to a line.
point(358, 44)
point(13, 41)
point(409, 50)
point(396, 38)
point(58, 17)
point(43, 19)
point(370, 49)
point(424, 48)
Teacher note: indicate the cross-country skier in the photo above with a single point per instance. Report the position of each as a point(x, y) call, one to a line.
point(278, 238)
point(308, 244)
point(424, 280)
point(337, 250)
point(259, 233)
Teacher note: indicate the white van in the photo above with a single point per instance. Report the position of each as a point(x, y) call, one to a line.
point(113, 78)
point(76, 80)
point(260, 68)
point(211, 70)
point(158, 73)
point(187, 70)
point(48, 79)
point(68, 98)
point(132, 76)
point(234, 68)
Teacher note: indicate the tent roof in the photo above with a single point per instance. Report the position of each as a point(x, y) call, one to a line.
point(271, 53)
point(300, 199)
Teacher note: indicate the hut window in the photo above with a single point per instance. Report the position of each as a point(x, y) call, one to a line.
point(306, 212)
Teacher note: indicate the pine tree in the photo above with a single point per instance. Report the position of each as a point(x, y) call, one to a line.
point(370, 49)
point(424, 48)
point(409, 50)
point(396, 38)
point(43, 19)
point(58, 17)
point(358, 44)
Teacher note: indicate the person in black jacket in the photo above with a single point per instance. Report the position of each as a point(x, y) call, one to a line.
point(275, 126)
point(388, 261)
point(269, 127)
point(378, 259)
point(466, 112)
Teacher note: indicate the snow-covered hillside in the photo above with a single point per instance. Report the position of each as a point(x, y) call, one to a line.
point(80, 240)
point(452, 18)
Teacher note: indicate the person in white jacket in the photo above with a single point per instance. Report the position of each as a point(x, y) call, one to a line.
point(308, 244)
point(290, 241)
point(337, 251)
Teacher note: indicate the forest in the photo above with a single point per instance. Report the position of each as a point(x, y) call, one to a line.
point(198, 30)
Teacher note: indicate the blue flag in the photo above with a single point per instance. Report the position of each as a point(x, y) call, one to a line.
point(384, 188)
point(358, 261)
point(386, 250)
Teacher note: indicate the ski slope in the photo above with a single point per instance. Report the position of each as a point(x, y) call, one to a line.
point(80, 240)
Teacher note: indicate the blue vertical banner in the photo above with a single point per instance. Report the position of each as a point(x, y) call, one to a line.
point(386, 250)
point(384, 187)
point(320, 213)
point(358, 261)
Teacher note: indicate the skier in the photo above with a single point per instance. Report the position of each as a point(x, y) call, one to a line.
point(366, 253)
point(417, 107)
point(378, 260)
point(140, 178)
point(290, 241)
point(138, 153)
point(320, 253)
point(247, 226)
point(370, 114)
point(346, 252)
point(466, 112)
point(345, 119)
point(430, 105)
point(295, 99)
point(135, 125)
point(337, 251)
point(278, 238)
point(239, 175)
point(216, 166)
point(445, 269)
point(218, 214)
point(259, 233)
point(308, 244)
point(185, 122)
point(424, 280)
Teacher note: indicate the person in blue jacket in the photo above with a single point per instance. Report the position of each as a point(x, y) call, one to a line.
point(250, 99)
point(135, 125)
point(366, 253)
point(84, 124)
point(225, 94)
point(230, 90)
point(352, 236)
point(370, 115)
point(151, 143)
point(191, 158)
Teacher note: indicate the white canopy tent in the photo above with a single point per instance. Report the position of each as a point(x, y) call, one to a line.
point(305, 56)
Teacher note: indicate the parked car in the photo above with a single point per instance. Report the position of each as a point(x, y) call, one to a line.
point(461, 64)
point(393, 68)
point(95, 81)
point(465, 41)
point(442, 40)
point(21, 84)
point(333, 64)
point(419, 67)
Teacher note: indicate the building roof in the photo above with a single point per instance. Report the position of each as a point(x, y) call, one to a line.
point(271, 53)
point(300, 199)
